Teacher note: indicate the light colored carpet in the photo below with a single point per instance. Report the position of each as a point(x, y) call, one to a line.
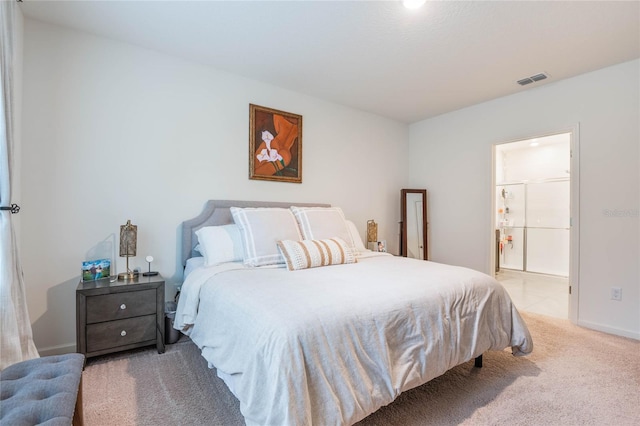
point(574, 377)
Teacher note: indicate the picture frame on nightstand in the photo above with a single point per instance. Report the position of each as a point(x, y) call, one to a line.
point(93, 270)
point(379, 246)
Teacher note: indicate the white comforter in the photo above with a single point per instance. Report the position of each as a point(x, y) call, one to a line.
point(331, 345)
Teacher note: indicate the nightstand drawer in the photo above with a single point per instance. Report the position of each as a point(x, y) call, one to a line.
point(117, 306)
point(112, 334)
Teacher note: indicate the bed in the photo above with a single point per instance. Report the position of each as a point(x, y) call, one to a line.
point(329, 345)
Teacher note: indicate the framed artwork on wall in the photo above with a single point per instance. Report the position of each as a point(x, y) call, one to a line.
point(275, 145)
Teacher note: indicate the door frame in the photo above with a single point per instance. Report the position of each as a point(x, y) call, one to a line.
point(574, 220)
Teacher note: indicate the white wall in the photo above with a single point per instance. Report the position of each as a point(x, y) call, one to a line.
point(450, 155)
point(115, 132)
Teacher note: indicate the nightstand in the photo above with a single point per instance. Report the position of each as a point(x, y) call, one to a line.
point(120, 315)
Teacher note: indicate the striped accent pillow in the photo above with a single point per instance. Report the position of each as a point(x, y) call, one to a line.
point(313, 253)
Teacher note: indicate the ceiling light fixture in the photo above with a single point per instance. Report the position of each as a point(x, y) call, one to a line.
point(534, 142)
point(413, 4)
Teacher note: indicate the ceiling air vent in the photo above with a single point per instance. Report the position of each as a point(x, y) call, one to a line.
point(532, 79)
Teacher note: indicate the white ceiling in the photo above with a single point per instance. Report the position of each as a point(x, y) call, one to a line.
point(375, 56)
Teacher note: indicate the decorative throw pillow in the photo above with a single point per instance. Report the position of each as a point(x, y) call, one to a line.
point(357, 240)
point(313, 253)
point(260, 230)
point(318, 223)
point(219, 244)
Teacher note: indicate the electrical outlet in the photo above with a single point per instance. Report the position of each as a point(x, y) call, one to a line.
point(616, 293)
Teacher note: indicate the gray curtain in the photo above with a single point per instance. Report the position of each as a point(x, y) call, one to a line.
point(16, 338)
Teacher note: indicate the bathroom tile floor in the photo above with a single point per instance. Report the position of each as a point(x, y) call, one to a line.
point(537, 293)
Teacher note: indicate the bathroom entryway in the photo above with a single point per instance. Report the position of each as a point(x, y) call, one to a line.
point(533, 222)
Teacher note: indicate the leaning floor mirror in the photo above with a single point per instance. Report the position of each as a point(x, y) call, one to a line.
point(413, 234)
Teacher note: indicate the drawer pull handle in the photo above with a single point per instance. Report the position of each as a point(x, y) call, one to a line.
point(123, 306)
point(123, 333)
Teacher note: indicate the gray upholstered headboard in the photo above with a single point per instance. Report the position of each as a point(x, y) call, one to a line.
point(216, 212)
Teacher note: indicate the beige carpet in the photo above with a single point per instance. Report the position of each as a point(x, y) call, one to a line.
point(574, 377)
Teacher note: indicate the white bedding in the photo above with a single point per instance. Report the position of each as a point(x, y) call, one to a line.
point(331, 345)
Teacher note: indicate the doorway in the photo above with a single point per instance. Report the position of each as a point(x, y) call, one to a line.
point(533, 193)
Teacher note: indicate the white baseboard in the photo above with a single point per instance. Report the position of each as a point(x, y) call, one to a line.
point(58, 350)
point(617, 331)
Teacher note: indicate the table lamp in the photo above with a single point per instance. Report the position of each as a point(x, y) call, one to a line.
point(128, 245)
point(372, 235)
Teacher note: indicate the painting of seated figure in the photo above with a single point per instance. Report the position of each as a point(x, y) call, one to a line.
point(275, 145)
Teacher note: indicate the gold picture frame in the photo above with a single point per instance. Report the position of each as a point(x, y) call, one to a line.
point(275, 145)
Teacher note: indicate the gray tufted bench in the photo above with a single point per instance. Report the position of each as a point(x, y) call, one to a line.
point(43, 390)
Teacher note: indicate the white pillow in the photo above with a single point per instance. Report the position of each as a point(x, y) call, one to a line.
point(313, 253)
point(357, 241)
point(260, 230)
point(219, 244)
point(321, 223)
point(193, 263)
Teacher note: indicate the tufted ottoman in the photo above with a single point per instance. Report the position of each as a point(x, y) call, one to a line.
point(42, 390)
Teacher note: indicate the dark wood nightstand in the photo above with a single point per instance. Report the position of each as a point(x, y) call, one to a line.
point(120, 315)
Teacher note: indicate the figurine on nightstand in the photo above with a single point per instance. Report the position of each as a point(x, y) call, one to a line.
point(151, 273)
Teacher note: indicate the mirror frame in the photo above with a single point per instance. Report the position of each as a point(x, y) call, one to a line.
point(403, 223)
